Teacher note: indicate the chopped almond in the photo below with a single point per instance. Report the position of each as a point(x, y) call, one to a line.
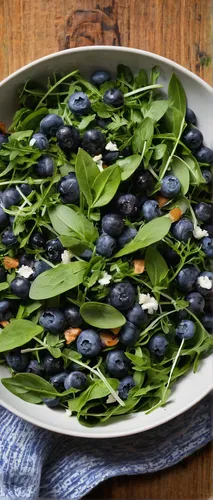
point(71, 334)
point(108, 339)
point(4, 323)
point(139, 266)
point(10, 263)
point(175, 214)
point(104, 165)
point(116, 330)
point(3, 129)
point(161, 201)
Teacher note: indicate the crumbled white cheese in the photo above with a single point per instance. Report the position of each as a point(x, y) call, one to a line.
point(66, 257)
point(199, 233)
point(204, 282)
point(111, 146)
point(68, 412)
point(105, 280)
point(148, 302)
point(99, 161)
point(111, 399)
point(25, 271)
point(32, 141)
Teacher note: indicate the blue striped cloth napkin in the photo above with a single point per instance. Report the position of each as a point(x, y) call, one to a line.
point(35, 463)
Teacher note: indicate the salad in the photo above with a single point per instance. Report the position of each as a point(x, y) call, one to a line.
point(106, 243)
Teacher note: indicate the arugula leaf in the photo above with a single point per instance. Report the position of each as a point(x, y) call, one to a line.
point(74, 225)
point(105, 186)
point(18, 333)
point(128, 165)
point(58, 280)
point(155, 265)
point(101, 315)
point(86, 120)
point(97, 390)
point(144, 133)
point(177, 94)
point(180, 170)
point(32, 121)
point(86, 172)
point(150, 233)
point(29, 382)
point(196, 177)
point(141, 80)
point(124, 73)
point(155, 110)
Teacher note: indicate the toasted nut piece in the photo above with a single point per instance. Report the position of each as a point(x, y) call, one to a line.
point(162, 201)
point(175, 214)
point(105, 166)
point(116, 330)
point(139, 266)
point(108, 339)
point(3, 129)
point(10, 263)
point(71, 334)
point(4, 323)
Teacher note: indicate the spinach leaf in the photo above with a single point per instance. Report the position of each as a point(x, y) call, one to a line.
point(124, 73)
point(155, 265)
point(105, 186)
point(18, 333)
point(141, 80)
point(143, 133)
point(86, 172)
point(196, 177)
point(73, 224)
point(29, 382)
point(32, 121)
point(129, 165)
point(181, 171)
point(155, 110)
point(159, 151)
point(101, 315)
point(4, 286)
point(58, 280)
point(177, 94)
point(97, 390)
point(150, 233)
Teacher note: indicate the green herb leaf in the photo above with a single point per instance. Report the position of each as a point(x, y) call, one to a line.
point(29, 382)
point(32, 121)
point(58, 280)
point(106, 185)
point(155, 265)
point(128, 166)
point(177, 94)
point(124, 73)
point(18, 333)
point(181, 171)
point(155, 110)
point(150, 233)
point(159, 151)
point(101, 315)
point(3, 286)
point(73, 224)
point(143, 133)
point(196, 177)
point(86, 172)
point(86, 120)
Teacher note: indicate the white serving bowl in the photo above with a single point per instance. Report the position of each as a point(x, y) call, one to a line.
point(193, 387)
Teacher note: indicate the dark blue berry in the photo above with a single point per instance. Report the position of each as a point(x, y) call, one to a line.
point(204, 155)
point(37, 240)
point(128, 234)
point(54, 249)
point(52, 365)
point(68, 138)
point(73, 317)
point(187, 277)
point(105, 245)
point(127, 151)
point(50, 124)
point(186, 329)
point(69, 189)
point(77, 380)
point(3, 274)
point(200, 289)
point(196, 302)
point(203, 211)
point(26, 260)
point(170, 186)
point(20, 287)
point(4, 219)
point(110, 157)
point(53, 320)
point(86, 255)
point(207, 321)
point(112, 224)
point(143, 181)
point(129, 334)
point(39, 267)
point(39, 141)
point(128, 205)
point(113, 97)
point(209, 229)
point(11, 197)
point(79, 103)
point(99, 77)
point(151, 210)
point(51, 402)
point(183, 229)
point(17, 361)
point(137, 315)
point(8, 238)
point(190, 116)
point(58, 381)
point(122, 296)
point(4, 305)
point(207, 246)
point(192, 138)
point(207, 176)
point(44, 167)
point(3, 139)
point(93, 141)
point(25, 189)
point(125, 385)
point(101, 122)
point(88, 343)
point(35, 367)
point(158, 344)
point(117, 363)
point(170, 256)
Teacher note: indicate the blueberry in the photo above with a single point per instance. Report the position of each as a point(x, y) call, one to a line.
point(203, 211)
point(101, 122)
point(51, 402)
point(69, 189)
point(207, 246)
point(79, 103)
point(110, 157)
point(105, 245)
point(113, 97)
point(44, 167)
point(11, 197)
point(137, 315)
point(143, 180)
point(88, 343)
point(170, 256)
point(58, 381)
point(37, 240)
point(52, 365)
point(204, 155)
point(17, 361)
point(25, 189)
point(209, 229)
point(183, 229)
point(117, 363)
point(93, 141)
point(207, 321)
point(196, 302)
point(128, 205)
point(35, 367)
point(86, 255)
point(207, 176)
point(125, 152)
point(4, 219)
point(40, 141)
point(122, 296)
point(73, 317)
point(125, 385)
point(99, 77)
point(151, 210)
point(68, 138)
point(190, 116)
point(170, 186)
point(112, 224)
point(192, 138)
point(39, 267)
point(53, 320)
point(20, 287)
point(187, 277)
point(182, 314)
point(200, 289)
point(3, 274)
point(158, 344)
point(77, 380)
point(3, 139)
point(129, 334)
point(26, 260)
point(4, 305)
point(128, 234)
point(8, 238)
point(50, 124)
point(54, 249)
point(185, 329)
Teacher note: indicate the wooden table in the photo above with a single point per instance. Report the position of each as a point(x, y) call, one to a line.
point(180, 30)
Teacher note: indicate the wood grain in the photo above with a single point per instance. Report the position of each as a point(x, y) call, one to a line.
point(180, 30)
